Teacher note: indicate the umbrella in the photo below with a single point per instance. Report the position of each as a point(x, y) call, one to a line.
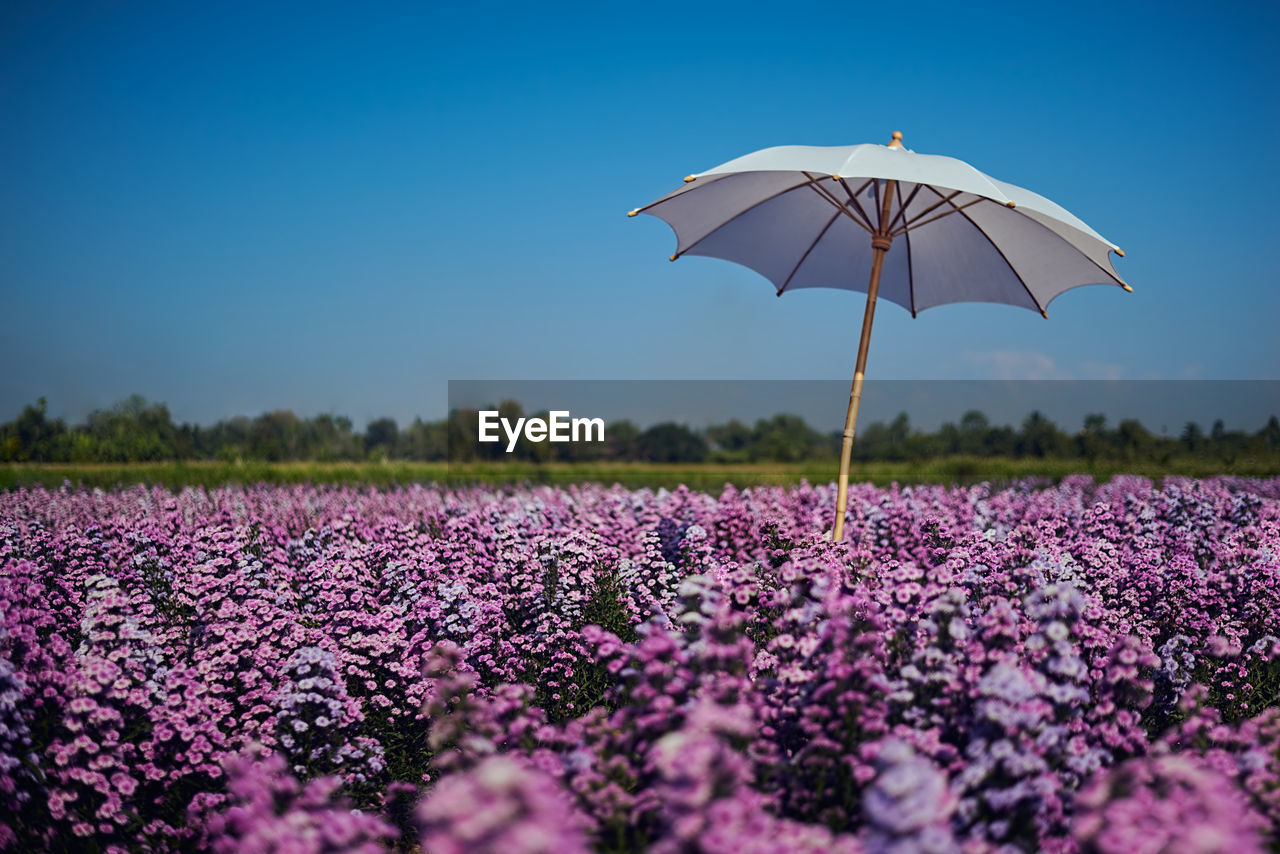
point(827, 217)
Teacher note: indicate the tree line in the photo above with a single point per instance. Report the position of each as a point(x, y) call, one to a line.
point(135, 430)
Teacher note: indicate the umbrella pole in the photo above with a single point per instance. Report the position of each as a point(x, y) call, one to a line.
point(880, 242)
point(855, 395)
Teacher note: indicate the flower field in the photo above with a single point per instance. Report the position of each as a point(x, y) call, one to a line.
point(1081, 667)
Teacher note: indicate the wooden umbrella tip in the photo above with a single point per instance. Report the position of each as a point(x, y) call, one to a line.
point(1127, 289)
point(1011, 204)
point(1044, 314)
point(896, 141)
point(1120, 252)
point(673, 257)
point(634, 212)
point(690, 178)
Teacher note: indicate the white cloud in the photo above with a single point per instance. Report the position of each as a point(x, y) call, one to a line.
point(1034, 365)
point(1016, 365)
point(1101, 371)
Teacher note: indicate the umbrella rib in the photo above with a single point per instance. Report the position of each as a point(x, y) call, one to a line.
point(954, 209)
point(902, 206)
point(674, 194)
point(735, 216)
point(813, 182)
point(821, 234)
point(853, 198)
point(906, 238)
point(1003, 257)
point(942, 200)
point(1110, 274)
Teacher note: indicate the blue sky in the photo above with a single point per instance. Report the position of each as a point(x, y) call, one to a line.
point(240, 207)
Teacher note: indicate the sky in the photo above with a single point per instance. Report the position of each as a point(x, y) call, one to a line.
point(239, 207)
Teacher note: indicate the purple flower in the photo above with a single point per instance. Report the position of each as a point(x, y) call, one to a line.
point(499, 807)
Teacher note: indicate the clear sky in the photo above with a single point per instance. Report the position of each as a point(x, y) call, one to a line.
point(235, 207)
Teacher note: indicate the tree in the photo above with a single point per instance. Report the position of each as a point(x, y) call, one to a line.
point(381, 438)
point(331, 437)
point(32, 436)
point(1192, 437)
point(1270, 435)
point(974, 428)
point(426, 440)
point(671, 443)
point(732, 439)
point(275, 436)
point(949, 439)
point(131, 431)
point(461, 439)
point(1039, 437)
point(621, 440)
point(1136, 442)
point(229, 440)
point(1000, 442)
point(1092, 440)
point(135, 430)
point(900, 429)
point(783, 438)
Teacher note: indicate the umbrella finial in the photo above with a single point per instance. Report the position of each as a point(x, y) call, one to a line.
point(897, 139)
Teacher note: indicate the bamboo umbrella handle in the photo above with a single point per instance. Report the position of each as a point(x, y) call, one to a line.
point(880, 243)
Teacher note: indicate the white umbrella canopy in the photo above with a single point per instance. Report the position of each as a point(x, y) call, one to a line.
point(803, 216)
point(827, 217)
